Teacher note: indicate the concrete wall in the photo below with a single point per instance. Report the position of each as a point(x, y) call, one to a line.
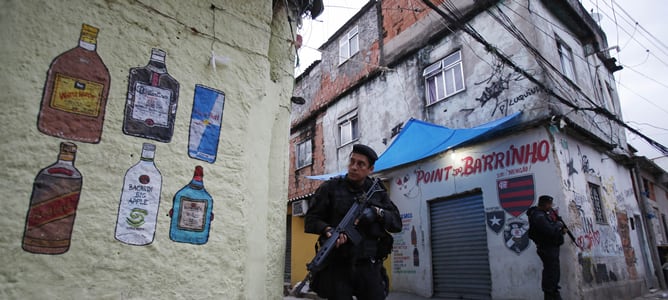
point(608, 263)
point(243, 258)
point(590, 75)
point(611, 259)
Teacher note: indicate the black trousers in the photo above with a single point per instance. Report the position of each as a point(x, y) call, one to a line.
point(342, 281)
point(551, 272)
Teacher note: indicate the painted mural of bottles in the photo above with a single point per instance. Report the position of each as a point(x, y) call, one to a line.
point(416, 254)
point(53, 205)
point(140, 199)
point(150, 107)
point(75, 93)
point(192, 212)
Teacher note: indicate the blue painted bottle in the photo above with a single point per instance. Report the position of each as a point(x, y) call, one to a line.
point(192, 212)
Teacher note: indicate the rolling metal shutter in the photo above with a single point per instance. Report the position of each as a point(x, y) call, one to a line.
point(460, 258)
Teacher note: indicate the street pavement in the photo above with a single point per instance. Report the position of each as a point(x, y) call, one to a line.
point(652, 294)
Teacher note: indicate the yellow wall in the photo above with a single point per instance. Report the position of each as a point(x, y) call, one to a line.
point(303, 251)
point(244, 256)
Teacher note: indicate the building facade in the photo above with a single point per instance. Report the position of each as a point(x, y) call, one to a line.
point(544, 63)
point(199, 83)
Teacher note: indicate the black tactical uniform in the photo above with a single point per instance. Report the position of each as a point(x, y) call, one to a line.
point(352, 269)
point(547, 233)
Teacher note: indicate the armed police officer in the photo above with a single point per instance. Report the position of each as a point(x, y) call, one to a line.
point(547, 232)
point(353, 269)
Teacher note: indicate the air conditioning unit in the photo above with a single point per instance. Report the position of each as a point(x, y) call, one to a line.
point(299, 208)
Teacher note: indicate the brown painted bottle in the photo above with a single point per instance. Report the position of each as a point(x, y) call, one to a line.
point(75, 92)
point(53, 205)
point(150, 107)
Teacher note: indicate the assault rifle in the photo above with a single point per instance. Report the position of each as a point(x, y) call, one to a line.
point(570, 234)
point(348, 226)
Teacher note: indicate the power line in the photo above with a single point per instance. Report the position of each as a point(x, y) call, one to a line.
point(632, 37)
point(642, 97)
point(467, 28)
point(581, 58)
point(645, 76)
point(640, 26)
point(649, 125)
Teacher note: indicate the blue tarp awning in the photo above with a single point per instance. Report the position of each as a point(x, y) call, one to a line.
point(419, 140)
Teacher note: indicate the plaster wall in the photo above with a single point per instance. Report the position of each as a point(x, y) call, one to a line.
point(611, 254)
point(244, 256)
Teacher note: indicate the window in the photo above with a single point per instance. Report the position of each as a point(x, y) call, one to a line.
point(648, 189)
point(348, 129)
point(595, 192)
point(566, 57)
point(304, 156)
point(444, 78)
point(348, 45)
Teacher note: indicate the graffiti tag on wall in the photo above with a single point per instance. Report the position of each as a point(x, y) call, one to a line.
point(497, 83)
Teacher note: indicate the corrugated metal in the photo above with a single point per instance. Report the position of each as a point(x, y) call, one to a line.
point(460, 255)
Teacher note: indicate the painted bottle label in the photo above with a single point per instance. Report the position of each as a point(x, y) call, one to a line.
point(77, 96)
point(151, 105)
point(192, 214)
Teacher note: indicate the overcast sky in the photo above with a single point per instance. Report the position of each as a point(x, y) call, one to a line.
point(642, 85)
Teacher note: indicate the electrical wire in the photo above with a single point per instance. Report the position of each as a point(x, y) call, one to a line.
point(643, 97)
point(629, 67)
point(637, 41)
point(504, 58)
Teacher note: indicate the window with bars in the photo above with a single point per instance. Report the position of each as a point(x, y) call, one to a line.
point(595, 192)
point(444, 78)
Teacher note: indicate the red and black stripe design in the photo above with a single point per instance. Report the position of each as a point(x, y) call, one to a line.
point(516, 194)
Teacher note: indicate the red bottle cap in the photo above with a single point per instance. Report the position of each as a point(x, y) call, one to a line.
point(199, 173)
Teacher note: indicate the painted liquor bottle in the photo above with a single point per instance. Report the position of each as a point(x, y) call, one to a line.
point(140, 200)
point(75, 92)
point(150, 107)
point(53, 205)
point(192, 212)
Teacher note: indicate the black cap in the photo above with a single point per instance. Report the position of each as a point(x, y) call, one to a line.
point(544, 199)
point(366, 151)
